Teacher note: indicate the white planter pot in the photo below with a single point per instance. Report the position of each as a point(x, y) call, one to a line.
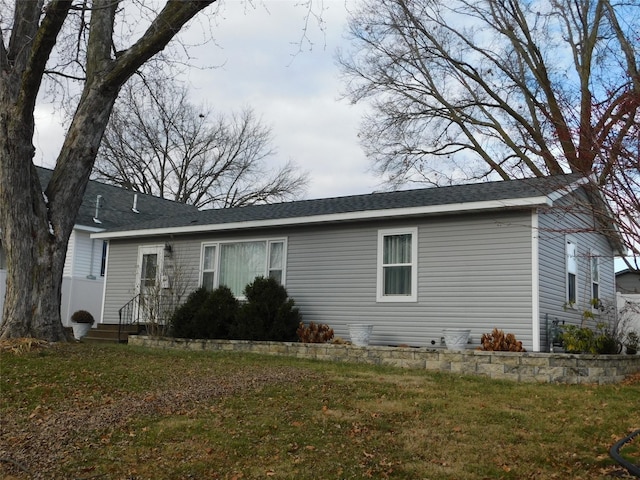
point(359, 333)
point(456, 338)
point(80, 330)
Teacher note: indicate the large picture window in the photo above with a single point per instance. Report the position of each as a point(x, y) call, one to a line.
point(236, 264)
point(397, 265)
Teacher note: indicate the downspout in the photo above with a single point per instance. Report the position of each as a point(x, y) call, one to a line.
point(104, 286)
point(91, 276)
point(535, 281)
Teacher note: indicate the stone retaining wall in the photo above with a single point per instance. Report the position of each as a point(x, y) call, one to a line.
point(520, 367)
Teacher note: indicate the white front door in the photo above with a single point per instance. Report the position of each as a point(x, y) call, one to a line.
point(148, 280)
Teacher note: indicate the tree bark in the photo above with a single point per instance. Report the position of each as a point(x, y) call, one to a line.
point(34, 264)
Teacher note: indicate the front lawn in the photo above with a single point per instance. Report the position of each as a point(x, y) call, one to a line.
point(88, 411)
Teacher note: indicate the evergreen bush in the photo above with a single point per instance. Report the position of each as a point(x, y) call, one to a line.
point(218, 312)
point(183, 321)
point(268, 314)
point(206, 314)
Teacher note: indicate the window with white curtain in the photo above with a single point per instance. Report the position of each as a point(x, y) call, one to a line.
point(276, 260)
point(209, 261)
point(236, 264)
point(595, 280)
point(572, 272)
point(397, 265)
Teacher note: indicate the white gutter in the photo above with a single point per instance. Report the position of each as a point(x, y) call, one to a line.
point(333, 217)
point(85, 228)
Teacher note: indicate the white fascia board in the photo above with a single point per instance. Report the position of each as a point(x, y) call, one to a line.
point(335, 217)
point(561, 192)
point(85, 228)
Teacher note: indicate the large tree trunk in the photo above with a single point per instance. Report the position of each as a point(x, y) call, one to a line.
point(35, 267)
point(35, 223)
point(34, 258)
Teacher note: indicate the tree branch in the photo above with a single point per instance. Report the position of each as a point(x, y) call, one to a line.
point(30, 58)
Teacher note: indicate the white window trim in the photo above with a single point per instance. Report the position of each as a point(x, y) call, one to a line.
point(215, 262)
point(284, 257)
point(413, 297)
point(572, 241)
point(268, 241)
point(594, 255)
point(146, 250)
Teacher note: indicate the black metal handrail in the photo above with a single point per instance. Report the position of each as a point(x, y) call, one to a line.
point(126, 314)
point(615, 454)
point(151, 312)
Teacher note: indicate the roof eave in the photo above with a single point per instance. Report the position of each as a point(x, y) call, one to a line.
point(528, 202)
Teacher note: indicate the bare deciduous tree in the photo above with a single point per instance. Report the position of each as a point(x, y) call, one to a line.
point(473, 89)
point(159, 143)
point(36, 222)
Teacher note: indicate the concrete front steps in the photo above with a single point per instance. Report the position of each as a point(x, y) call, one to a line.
point(108, 333)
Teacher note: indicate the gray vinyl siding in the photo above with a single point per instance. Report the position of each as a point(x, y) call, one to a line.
point(473, 271)
point(556, 226)
point(68, 262)
point(182, 265)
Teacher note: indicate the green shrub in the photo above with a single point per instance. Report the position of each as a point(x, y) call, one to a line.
point(584, 340)
point(206, 314)
point(217, 314)
point(605, 342)
point(183, 321)
point(268, 314)
point(577, 339)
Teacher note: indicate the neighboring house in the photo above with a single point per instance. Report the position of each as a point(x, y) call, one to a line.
point(508, 254)
point(628, 281)
point(628, 299)
point(103, 207)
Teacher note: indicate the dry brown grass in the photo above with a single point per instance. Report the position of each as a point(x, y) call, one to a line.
point(117, 412)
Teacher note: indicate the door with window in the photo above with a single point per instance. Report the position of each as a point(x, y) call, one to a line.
point(148, 282)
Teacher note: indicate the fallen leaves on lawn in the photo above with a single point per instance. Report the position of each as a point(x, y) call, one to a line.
point(19, 346)
point(42, 440)
point(632, 379)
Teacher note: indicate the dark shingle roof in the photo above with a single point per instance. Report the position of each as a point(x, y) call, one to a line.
point(405, 199)
point(116, 205)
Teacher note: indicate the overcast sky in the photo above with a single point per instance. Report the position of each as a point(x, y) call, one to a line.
point(294, 87)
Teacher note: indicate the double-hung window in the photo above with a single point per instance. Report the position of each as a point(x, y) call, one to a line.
point(236, 264)
point(595, 279)
point(397, 265)
point(572, 272)
point(209, 262)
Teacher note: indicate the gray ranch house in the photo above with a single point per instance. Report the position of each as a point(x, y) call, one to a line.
point(509, 254)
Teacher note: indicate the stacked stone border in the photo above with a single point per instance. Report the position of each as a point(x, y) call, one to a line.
point(519, 367)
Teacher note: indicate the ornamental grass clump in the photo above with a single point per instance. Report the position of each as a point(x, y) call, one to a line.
point(498, 341)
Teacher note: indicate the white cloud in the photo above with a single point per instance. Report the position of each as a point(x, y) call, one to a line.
point(294, 87)
point(263, 59)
